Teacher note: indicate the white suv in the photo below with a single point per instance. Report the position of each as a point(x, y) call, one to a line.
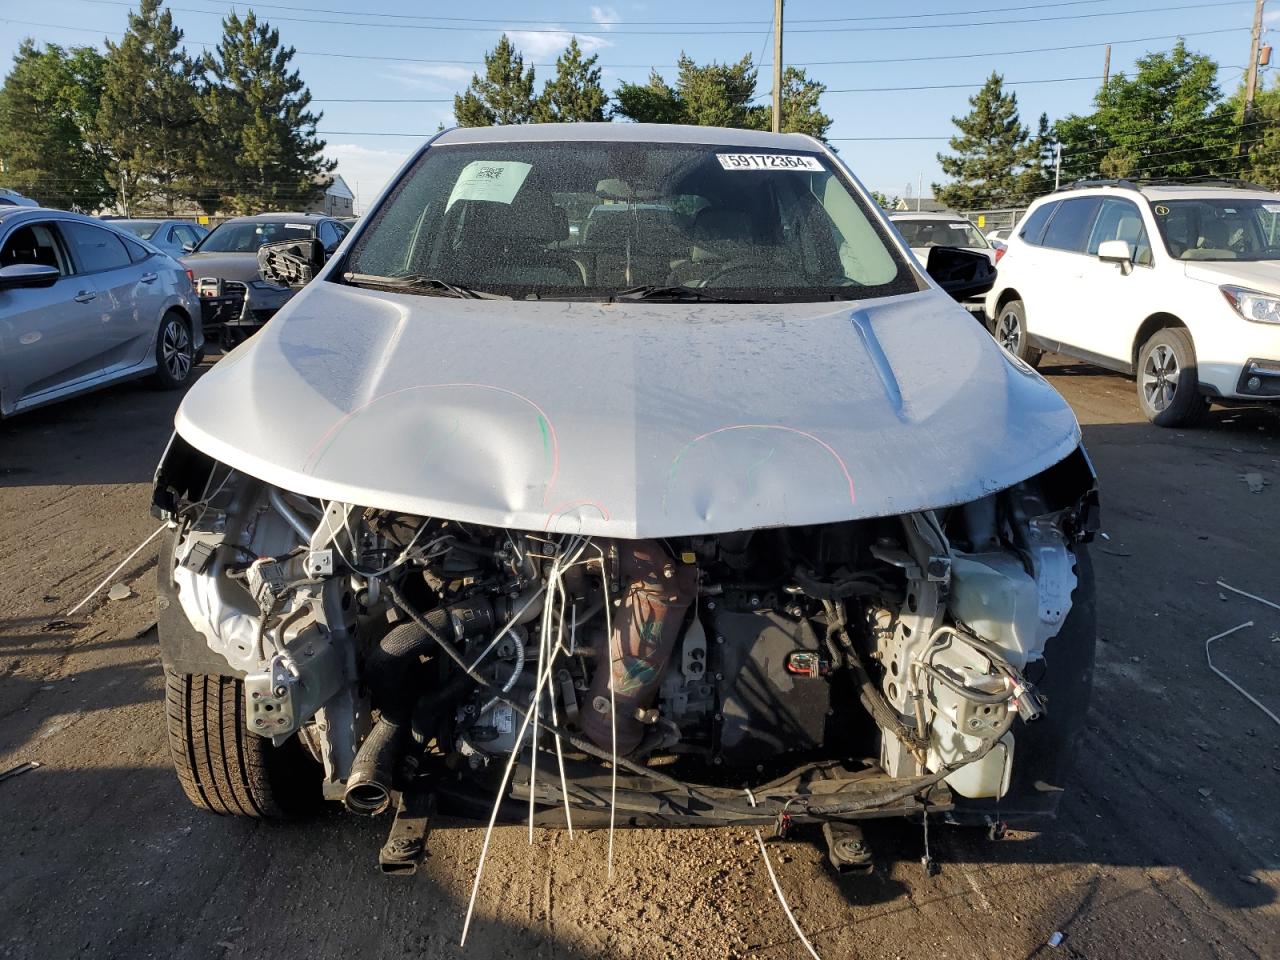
point(1178, 285)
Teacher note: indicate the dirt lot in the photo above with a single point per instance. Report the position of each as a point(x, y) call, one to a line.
point(1169, 843)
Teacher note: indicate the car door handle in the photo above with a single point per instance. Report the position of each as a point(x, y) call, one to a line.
point(149, 277)
point(84, 296)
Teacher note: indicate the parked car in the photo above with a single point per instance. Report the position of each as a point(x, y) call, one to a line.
point(1173, 284)
point(236, 300)
point(12, 198)
point(174, 237)
point(924, 231)
point(999, 235)
point(742, 509)
point(83, 306)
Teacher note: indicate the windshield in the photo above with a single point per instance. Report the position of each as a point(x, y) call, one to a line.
point(1220, 229)
point(246, 236)
point(941, 233)
point(591, 220)
point(143, 229)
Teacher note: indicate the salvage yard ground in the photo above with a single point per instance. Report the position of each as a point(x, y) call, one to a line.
point(1168, 846)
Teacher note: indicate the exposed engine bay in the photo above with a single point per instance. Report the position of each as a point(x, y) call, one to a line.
point(829, 672)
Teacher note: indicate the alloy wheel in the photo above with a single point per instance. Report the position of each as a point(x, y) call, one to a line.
point(1009, 331)
point(175, 349)
point(1160, 377)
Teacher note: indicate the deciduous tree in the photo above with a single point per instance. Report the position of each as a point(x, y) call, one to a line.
point(49, 149)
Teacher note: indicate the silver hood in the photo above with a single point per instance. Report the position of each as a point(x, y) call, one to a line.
point(628, 420)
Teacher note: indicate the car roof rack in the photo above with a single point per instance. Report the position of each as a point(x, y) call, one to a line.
point(1165, 182)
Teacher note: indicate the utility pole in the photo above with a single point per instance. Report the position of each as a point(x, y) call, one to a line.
point(920, 191)
point(1106, 67)
point(1251, 81)
point(1057, 165)
point(777, 66)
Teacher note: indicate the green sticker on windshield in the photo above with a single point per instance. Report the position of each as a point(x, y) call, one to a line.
point(1161, 210)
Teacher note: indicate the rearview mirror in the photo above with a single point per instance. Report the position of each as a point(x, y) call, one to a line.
point(20, 275)
point(961, 273)
point(1115, 251)
point(291, 263)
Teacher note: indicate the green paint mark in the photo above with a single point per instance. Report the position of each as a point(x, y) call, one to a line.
point(758, 464)
point(545, 429)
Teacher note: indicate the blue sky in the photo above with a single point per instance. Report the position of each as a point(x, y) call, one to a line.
point(917, 45)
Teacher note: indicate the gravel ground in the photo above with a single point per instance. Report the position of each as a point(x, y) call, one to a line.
point(1168, 844)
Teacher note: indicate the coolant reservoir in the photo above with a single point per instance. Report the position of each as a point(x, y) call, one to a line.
point(997, 599)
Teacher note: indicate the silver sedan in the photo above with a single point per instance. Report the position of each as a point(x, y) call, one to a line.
point(83, 305)
point(174, 237)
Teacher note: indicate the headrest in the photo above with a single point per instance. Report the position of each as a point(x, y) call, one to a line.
point(1129, 228)
point(532, 216)
point(1213, 234)
point(719, 224)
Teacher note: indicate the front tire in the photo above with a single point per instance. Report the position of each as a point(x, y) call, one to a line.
point(1168, 383)
point(1011, 332)
point(222, 767)
point(175, 352)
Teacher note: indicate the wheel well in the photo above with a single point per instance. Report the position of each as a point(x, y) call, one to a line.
point(1157, 321)
point(1006, 296)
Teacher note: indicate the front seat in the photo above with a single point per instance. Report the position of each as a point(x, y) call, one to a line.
point(507, 243)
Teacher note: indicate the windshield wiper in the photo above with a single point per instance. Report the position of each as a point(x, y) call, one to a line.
point(418, 283)
point(671, 294)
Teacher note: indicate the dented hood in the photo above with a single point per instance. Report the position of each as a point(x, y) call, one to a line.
point(632, 419)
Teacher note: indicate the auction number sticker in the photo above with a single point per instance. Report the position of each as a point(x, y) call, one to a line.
point(769, 161)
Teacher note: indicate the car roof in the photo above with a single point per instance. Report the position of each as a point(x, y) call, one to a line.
point(626, 133)
point(1166, 191)
point(8, 214)
point(895, 215)
point(309, 218)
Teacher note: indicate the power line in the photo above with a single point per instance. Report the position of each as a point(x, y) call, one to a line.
point(671, 66)
point(608, 27)
point(684, 31)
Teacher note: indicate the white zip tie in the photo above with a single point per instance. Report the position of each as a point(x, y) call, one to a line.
point(118, 567)
point(613, 713)
point(777, 888)
point(1247, 695)
point(1227, 586)
point(497, 802)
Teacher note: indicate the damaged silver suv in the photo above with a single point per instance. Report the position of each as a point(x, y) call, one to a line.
point(626, 474)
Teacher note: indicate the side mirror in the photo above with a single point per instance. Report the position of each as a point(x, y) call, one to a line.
point(291, 263)
point(1115, 251)
point(962, 273)
point(188, 247)
point(24, 275)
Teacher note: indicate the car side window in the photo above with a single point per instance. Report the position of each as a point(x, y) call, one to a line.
point(185, 234)
point(35, 243)
point(95, 249)
point(137, 252)
point(1120, 220)
point(1070, 225)
point(1033, 226)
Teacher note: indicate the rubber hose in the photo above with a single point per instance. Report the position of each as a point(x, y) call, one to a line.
point(369, 783)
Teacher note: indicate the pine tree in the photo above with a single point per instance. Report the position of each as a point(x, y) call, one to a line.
point(505, 95)
point(48, 126)
point(574, 94)
point(149, 118)
point(996, 161)
point(653, 102)
point(268, 156)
